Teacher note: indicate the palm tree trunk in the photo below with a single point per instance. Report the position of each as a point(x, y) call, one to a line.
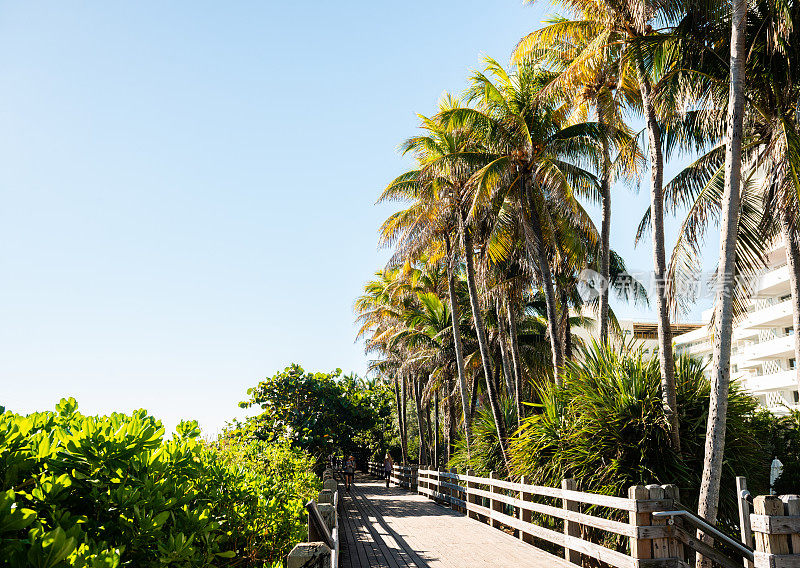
point(474, 400)
point(420, 420)
point(427, 410)
point(666, 361)
point(494, 401)
point(536, 238)
point(455, 316)
point(565, 323)
point(708, 501)
point(793, 260)
point(605, 230)
point(515, 361)
point(436, 431)
point(400, 399)
point(448, 423)
point(452, 411)
point(503, 336)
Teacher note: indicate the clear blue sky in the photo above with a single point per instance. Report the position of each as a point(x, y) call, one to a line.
point(187, 187)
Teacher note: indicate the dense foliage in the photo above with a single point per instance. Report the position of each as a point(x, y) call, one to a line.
point(606, 428)
point(322, 413)
point(105, 491)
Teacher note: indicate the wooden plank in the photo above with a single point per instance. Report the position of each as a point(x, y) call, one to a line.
point(765, 560)
point(769, 505)
point(783, 524)
point(705, 549)
point(453, 486)
point(640, 548)
point(609, 525)
point(675, 545)
point(525, 514)
point(495, 504)
point(660, 545)
point(470, 494)
point(582, 497)
point(571, 528)
point(791, 505)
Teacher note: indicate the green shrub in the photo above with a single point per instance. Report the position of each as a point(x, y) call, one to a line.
point(606, 428)
point(484, 455)
point(110, 491)
point(322, 413)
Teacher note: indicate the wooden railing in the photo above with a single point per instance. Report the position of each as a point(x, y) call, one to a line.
point(775, 524)
point(404, 476)
point(375, 469)
point(322, 548)
point(649, 528)
point(566, 518)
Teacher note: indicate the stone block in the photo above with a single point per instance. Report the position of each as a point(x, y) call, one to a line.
point(328, 514)
point(309, 555)
point(325, 496)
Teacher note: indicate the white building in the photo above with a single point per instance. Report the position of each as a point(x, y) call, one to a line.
point(762, 354)
point(637, 333)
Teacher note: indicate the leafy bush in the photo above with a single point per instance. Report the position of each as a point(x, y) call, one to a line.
point(273, 481)
point(783, 434)
point(322, 413)
point(484, 454)
point(110, 491)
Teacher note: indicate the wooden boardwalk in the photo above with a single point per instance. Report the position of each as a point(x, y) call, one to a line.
point(396, 528)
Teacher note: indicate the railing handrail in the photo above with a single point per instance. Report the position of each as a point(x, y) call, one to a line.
point(319, 525)
point(599, 499)
point(703, 525)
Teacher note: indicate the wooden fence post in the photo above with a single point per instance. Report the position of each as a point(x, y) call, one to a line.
point(471, 498)
point(768, 543)
point(660, 545)
point(675, 544)
point(571, 528)
point(494, 504)
point(525, 515)
point(309, 555)
point(791, 505)
point(454, 492)
point(744, 517)
point(641, 548)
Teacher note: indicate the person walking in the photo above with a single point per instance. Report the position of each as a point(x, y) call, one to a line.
point(349, 471)
point(388, 465)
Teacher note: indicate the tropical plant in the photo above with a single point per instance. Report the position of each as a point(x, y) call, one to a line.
point(607, 428)
point(106, 491)
point(321, 413)
point(533, 159)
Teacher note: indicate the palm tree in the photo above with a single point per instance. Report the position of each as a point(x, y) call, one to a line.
point(625, 29)
point(720, 374)
point(531, 158)
point(447, 158)
point(586, 78)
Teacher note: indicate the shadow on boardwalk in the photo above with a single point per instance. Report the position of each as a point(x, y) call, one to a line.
point(396, 528)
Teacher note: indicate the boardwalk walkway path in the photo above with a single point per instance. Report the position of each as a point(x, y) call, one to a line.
point(396, 528)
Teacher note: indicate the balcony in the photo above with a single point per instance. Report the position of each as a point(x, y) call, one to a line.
point(778, 348)
point(771, 382)
point(777, 315)
point(774, 283)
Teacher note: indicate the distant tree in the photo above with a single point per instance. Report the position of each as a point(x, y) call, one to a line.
point(322, 413)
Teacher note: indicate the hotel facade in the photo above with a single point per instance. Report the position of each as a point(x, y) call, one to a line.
point(762, 353)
